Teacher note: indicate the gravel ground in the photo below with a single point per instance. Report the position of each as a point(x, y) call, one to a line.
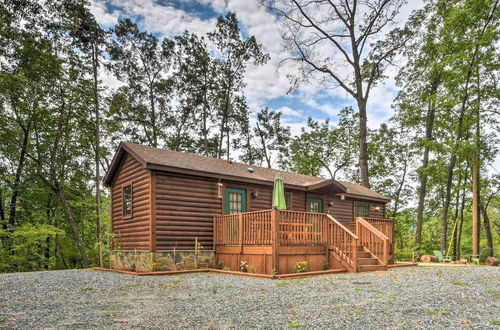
point(415, 297)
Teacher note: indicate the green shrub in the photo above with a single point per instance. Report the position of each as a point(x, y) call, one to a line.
point(157, 267)
point(301, 267)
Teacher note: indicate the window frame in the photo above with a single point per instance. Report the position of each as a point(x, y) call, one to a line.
point(367, 210)
point(123, 187)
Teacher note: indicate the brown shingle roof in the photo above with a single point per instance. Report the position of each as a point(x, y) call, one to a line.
point(170, 160)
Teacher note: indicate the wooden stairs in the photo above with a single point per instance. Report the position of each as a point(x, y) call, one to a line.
point(367, 262)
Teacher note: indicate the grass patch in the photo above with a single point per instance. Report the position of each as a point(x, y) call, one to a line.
point(357, 289)
point(495, 322)
point(357, 311)
point(458, 283)
point(431, 312)
point(168, 285)
point(88, 289)
point(282, 284)
point(295, 324)
point(229, 287)
point(111, 314)
point(132, 285)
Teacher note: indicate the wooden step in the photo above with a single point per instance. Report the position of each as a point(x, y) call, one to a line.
point(371, 268)
point(368, 261)
point(364, 254)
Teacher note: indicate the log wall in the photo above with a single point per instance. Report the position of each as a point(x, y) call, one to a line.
point(132, 233)
point(185, 208)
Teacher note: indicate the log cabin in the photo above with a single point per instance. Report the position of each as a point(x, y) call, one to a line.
point(172, 210)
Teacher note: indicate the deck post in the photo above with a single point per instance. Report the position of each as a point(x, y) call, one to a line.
point(386, 259)
point(240, 225)
point(275, 220)
point(326, 239)
point(355, 255)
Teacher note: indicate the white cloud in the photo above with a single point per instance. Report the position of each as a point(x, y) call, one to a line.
point(163, 18)
point(290, 112)
point(103, 17)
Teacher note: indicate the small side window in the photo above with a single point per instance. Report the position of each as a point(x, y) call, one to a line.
point(127, 201)
point(288, 200)
point(361, 210)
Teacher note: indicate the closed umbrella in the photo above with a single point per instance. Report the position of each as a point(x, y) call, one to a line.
point(279, 202)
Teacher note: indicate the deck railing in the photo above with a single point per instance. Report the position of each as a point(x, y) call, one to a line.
point(373, 239)
point(386, 226)
point(292, 228)
point(302, 228)
point(343, 241)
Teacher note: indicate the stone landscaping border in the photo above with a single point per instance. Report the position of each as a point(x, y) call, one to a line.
point(232, 272)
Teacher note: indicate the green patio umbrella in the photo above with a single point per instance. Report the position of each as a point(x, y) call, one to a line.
point(279, 202)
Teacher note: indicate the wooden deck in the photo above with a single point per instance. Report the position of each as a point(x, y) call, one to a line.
point(273, 241)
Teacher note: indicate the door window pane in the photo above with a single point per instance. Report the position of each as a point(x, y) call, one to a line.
point(235, 201)
point(315, 205)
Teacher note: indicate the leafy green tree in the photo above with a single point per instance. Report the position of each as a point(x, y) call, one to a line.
point(323, 147)
point(233, 54)
point(196, 88)
point(273, 137)
point(142, 63)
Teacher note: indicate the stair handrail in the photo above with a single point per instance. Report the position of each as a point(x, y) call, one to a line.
point(354, 245)
point(379, 234)
point(373, 229)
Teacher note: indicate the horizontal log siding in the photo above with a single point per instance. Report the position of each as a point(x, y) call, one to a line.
point(185, 208)
point(131, 233)
point(342, 210)
point(377, 214)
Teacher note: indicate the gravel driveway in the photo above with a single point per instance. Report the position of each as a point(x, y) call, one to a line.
point(416, 297)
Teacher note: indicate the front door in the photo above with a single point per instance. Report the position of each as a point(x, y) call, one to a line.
point(236, 201)
point(314, 205)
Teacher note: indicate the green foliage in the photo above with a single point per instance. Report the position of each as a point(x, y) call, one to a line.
point(295, 324)
point(323, 147)
point(157, 267)
point(301, 267)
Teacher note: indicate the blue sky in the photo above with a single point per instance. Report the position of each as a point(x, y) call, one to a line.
point(266, 86)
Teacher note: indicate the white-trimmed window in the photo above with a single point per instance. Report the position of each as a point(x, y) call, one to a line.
point(127, 200)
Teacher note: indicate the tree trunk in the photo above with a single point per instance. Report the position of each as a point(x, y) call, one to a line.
point(153, 115)
point(72, 222)
point(487, 227)
point(264, 147)
point(17, 177)
point(476, 219)
point(428, 258)
point(400, 188)
point(422, 191)
point(57, 249)
point(97, 152)
point(462, 207)
point(204, 129)
point(492, 261)
point(455, 225)
point(363, 144)
point(2, 211)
